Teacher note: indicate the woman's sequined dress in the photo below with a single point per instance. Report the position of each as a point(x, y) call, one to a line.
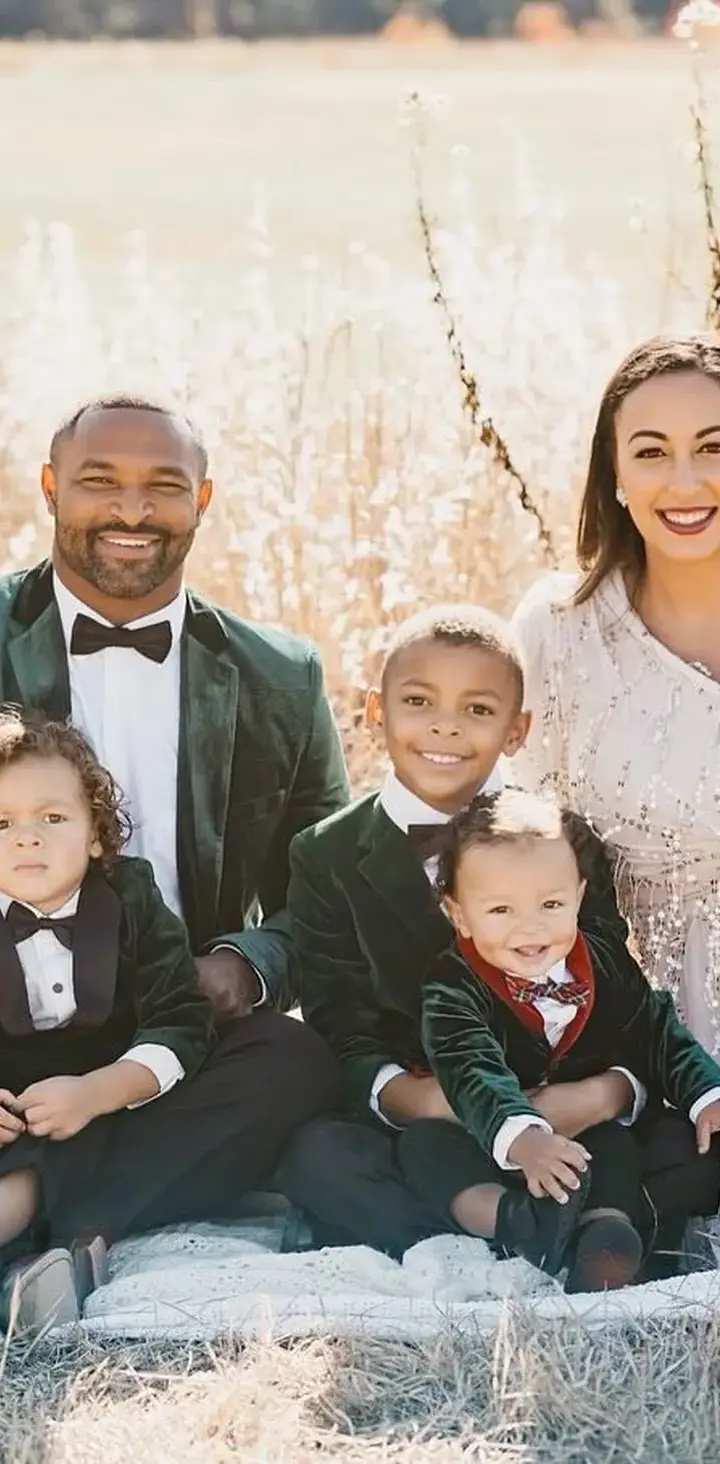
point(629, 734)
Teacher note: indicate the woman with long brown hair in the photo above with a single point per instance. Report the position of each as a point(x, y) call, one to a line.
point(624, 663)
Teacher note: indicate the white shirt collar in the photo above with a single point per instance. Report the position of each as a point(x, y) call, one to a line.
point(69, 908)
point(405, 808)
point(558, 974)
point(69, 606)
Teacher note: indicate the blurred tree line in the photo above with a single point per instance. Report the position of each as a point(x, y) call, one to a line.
point(248, 18)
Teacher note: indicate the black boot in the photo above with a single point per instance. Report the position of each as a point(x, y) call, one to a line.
point(540, 1230)
point(608, 1255)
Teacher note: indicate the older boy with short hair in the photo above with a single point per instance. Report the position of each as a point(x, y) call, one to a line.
point(366, 924)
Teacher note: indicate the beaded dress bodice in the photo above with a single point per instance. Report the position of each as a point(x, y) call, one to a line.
point(629, 734)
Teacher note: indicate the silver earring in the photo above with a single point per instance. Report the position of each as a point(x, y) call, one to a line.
point(619, 494)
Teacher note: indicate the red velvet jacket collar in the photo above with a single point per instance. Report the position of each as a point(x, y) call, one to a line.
point(578, 964)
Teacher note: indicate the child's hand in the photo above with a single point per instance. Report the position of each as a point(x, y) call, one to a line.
point(57, 1108)
point(707, 1123)
point(11, 1124)
point(549, 1162)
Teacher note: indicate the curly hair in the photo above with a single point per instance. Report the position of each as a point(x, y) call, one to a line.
point(511, 816)
point(25, 734)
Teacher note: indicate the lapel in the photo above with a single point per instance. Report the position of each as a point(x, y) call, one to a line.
point(96, 945)
point(580, 967)
point(390, 865)
point(38, 674)
point(96, 948)
point(15, 1016)
point(209, 695)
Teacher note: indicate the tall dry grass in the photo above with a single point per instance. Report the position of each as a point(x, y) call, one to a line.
point(351, 485)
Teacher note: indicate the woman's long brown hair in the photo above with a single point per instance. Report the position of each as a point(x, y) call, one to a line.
point(607, 538)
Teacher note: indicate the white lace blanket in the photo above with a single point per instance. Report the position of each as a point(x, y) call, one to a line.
point(205, 1281)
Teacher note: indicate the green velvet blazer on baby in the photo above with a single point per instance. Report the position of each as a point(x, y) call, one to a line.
point(485, 1048)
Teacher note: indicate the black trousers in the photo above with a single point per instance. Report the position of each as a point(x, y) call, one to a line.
point(439, 1160)
point(349, 1179)
point(193, 1153)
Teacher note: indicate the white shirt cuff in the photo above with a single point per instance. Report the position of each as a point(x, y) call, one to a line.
point(161, 1061)
point(262, 983)
point(382, 1078)
point(639, 1096)
point(510, 1131)
point(711, 1096)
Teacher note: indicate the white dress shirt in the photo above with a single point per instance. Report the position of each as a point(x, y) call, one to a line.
point(48, 970)
point(129, 709)
point(405, 809)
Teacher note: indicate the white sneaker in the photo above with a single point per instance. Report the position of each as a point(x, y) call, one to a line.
point(39, 1294)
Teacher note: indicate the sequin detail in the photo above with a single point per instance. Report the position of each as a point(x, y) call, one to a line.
point(629, 735)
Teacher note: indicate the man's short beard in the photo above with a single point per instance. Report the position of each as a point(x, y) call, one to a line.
point(121, 581)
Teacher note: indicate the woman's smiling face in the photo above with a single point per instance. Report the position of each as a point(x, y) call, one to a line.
point(667, 438)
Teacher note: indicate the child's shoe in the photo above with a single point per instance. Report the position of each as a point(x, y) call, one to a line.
point(609, 1255)
point(540, 1230)
point(38, 1294)
point(90, 1260)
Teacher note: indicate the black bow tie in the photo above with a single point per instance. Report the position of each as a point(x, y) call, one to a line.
point(89, 636)
point(23, 923)
point(427, 839)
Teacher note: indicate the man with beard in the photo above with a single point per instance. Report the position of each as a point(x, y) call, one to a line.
point(217, 730)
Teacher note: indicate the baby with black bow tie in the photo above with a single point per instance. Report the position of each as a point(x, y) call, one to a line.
point(67, 1056)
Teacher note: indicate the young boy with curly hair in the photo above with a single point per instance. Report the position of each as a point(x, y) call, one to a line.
point(118, 1108)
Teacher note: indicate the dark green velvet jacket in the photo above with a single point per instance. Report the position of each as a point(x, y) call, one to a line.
point(134, 979)
point(365, 925)
point(483, 1054)
point(259, 758)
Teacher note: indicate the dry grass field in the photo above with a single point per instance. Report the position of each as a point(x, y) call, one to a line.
point(235, 228)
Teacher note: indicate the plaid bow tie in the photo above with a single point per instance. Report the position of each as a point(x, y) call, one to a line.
point(571, 993)
point(24, 923)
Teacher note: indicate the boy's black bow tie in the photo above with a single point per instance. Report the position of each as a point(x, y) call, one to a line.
point(23, 923)
point(427, 839)
point(89, 636)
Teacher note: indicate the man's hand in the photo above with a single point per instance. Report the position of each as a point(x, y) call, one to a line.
point(570, 1108)
point(406, 1098)
point(11, 1124)
point(230, 983)
point(707, 1123)
point(550, 1163)
point(57, 1108)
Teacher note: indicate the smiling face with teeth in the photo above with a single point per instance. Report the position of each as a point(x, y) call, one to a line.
point(668, 465)
point(447, 713)
point(127, 489)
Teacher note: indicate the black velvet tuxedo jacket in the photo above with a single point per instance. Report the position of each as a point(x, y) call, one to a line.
point(485, 1049)
point(365, 926)
point(134, 979)
point(259, 758)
